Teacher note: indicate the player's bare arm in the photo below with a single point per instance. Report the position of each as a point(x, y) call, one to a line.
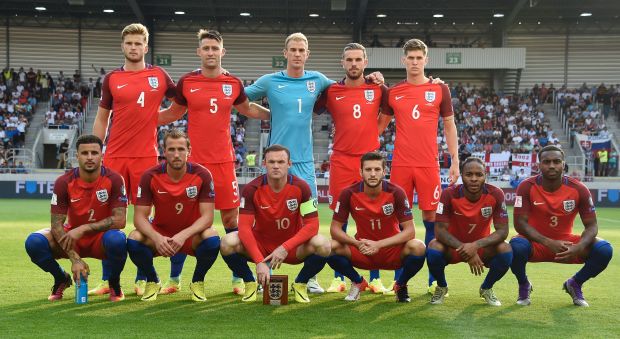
point(101, 122)
point(341, 236)
point(142, 224)
point(117, 220)
point(444, 237)
point(402, 237)
point(78, 266)
point(205, 221)
point(452, 141)
point(383, 122)
point(173, 113)
point(470, 249)
point(580, 249)
point(532, 234)
point(253, 110)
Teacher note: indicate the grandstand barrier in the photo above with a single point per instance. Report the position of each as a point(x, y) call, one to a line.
point(41, 186)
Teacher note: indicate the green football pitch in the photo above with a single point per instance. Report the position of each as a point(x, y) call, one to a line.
point(25, 311)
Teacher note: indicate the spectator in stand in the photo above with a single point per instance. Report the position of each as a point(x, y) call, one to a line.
point(603, 156)
point(250, 159)
point(63, 149)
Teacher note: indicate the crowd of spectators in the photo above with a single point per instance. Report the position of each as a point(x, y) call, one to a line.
point(68, 102)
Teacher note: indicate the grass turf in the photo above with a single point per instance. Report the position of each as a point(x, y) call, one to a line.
point(25, 311)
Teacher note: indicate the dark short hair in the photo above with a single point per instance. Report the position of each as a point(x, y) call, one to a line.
point(372, 156)
point(415, 45)
point(472, 159)
point(175, 134)
point(209, 34)
point(88, 139)
point(276, 148)
point(550, 148)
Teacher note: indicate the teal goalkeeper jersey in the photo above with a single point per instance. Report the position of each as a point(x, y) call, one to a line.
point(291, 101)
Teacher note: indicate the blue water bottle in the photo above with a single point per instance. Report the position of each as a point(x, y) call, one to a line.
point(81, 292)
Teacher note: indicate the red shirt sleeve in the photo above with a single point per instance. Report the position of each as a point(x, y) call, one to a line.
point(106, 95)
point(401, 205)
point(522, 199)
point(320, 106)
point(144, 195)
point(179, 98)
point(119, 195)
point(586, 204)
point(444, 207)
point(247, 238)
point(384, 101)
point(242, 97)
point(60, 197)
point(500, 214)
point(170, 87)
point(445, 108)
point(343, 206)
point(207, 190)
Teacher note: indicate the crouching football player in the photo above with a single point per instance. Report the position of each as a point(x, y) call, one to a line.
point(91, 198)
point(182, 195)
point(378, 208)
point(545, 208)
point(463, 232)
point(278, 223)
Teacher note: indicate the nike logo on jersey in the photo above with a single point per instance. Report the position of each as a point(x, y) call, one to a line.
point(121, 86)
point(538, 203)
point(76, 200)
point(161, 192)
point(457, 213)
point(192, 90)
point(339, 98)
point(264, 207)
point(398, 97)
point(359, 208)
point(282, 86)
point(434, 203)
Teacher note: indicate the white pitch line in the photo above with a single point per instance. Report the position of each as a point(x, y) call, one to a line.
point(609, 220)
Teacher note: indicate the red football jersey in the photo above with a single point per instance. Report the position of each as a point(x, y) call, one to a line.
point(552, 213)
point(176, 203)
point(354, 111)
point(134, 98)
point(209, 102)
point(470, 221)
point(417, 109)
point(375, 218)
point(278, 216)
point(85, 202)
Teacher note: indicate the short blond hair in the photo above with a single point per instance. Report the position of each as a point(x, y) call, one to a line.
point(415, 45)
point(352, 47)
point(297, 37)
point(136, 28)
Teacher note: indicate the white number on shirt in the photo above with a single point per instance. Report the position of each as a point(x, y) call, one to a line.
point(179, 207)
point(472, 226)
point(357, 111)
point(415, 114)
point(283, 223)
point(553, 222)
point(299, 102)
point(213, 104)
point(375, 222)
point(141, 99)
point(91, 214)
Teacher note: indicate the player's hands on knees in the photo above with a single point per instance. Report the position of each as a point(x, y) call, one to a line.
point(468, 250)
point(68, 239)
point(376, 77)
point(369, 247)
point(277, 257)
point(262, 273)
point(558, 246)
point(569, 254)
point(476, 265)
point(79, 267)
point(163, 247)
point(176, 242)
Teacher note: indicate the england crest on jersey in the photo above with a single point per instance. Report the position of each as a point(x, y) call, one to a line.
point(486, 211)
point(311, 86)
point(569, 205)
point(191, 192)
point(369, 94)
point(292, 204)
point(102, 195)
point(154, 82)
point(227, 89)
point(388, 209)
point(429, 96)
